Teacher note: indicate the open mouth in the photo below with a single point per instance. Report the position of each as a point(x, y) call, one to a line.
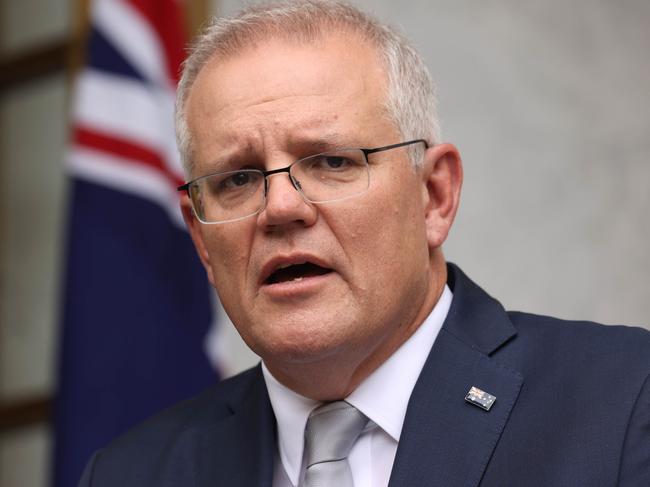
point(296, 272)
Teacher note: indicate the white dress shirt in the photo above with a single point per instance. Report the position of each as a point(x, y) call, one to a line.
point(383, 397)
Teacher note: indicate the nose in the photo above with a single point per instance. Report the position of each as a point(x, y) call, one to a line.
point(285, 205)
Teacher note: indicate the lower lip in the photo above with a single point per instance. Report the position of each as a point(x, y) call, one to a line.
point(297, 288)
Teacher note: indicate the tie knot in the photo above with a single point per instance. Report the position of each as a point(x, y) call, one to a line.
point(331, 431)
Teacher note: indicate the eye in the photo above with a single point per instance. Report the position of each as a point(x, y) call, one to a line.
point(332, 162)
point(234, 182)
point(335, 162)
point(237, 180)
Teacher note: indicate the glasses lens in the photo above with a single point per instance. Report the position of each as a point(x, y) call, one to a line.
point(332, 176)
point(228, 196)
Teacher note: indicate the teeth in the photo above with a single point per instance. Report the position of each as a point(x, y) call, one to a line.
point(296, 279)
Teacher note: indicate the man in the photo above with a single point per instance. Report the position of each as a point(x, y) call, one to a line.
point(319, 198)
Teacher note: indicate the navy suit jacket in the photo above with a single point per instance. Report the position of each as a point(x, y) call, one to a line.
point(572, 409)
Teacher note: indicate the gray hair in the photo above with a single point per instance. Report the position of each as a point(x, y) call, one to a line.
point(410, 100)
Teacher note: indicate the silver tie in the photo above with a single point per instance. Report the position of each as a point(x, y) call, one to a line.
point(331, 431)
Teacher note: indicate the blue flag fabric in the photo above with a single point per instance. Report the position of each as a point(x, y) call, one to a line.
point(136, 303)
point(136, 312)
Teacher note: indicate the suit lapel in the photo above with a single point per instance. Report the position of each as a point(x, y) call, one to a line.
point(445, 440)
point(238, 451)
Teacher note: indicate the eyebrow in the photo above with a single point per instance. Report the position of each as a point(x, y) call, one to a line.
point(304, 146)
point(227, 160)
point(299, 146)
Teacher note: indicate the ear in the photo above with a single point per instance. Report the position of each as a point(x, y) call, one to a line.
point(442, 177)
point(195, 228)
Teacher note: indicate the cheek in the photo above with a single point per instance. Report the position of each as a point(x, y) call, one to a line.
point(229, 252)
point(229, 259)
point(399, 216)
point(387, 238)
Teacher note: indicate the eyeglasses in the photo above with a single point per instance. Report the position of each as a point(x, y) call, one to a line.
point(322, 178)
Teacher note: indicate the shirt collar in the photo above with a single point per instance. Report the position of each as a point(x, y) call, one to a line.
point(291, 413)
point(383, 396)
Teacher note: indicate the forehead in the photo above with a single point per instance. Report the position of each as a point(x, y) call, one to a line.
point(281, 88)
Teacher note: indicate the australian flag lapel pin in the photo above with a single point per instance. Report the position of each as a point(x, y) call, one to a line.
point(480, 398)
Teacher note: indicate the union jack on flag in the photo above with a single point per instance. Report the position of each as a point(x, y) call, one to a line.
point(136, 303)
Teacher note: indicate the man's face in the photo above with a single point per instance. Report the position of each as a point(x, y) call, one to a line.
point(369, 271)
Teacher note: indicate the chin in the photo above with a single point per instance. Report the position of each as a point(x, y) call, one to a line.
point(299, 345)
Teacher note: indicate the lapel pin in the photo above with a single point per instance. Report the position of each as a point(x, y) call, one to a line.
point(480, 398)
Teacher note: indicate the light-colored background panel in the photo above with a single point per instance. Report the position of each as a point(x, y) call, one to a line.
point(33, 124)
point(26, 23)
point(25, 457)
point(32, 196)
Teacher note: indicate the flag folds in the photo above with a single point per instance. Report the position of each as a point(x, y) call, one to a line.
point(136, 304)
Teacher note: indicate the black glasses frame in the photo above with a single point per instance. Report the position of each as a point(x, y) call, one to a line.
point(287, 169)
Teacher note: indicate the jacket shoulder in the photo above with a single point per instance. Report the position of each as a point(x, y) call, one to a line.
point(138, 453)
point(583, 343)
point(548, 327)
point(213, 404)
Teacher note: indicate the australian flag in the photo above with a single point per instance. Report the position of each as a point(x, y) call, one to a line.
point(137, 305)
